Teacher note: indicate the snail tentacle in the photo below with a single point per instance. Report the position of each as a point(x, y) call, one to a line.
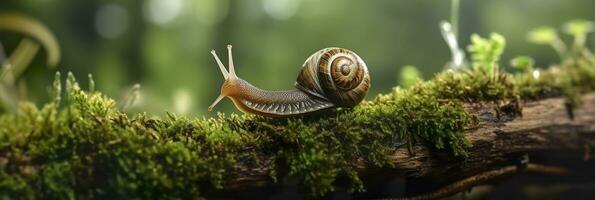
point(230, 62)
point(221, 67)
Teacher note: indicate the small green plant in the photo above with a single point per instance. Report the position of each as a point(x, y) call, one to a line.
point(579, 29)
point(523, 63)
point(529, 78)
point(486, 52)
point(548, 35)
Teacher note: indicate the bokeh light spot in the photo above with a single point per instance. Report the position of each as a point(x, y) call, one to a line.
point(536, 74)
point(281, 9)
point(162, 11)
point(182, 100)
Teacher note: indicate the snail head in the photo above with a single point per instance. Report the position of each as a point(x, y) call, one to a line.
point(229, 86)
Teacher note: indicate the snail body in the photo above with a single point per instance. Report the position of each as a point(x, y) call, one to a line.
point(331, 77)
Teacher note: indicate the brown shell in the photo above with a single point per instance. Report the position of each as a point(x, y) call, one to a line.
point(335, 74)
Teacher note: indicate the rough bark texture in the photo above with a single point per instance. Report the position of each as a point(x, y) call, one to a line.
point(546, 125)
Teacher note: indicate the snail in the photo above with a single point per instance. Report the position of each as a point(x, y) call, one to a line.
point(332, 77)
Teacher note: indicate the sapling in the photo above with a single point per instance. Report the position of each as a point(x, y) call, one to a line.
point(548, 35)
point(486, 52)
point(579, 29)
point(524, 63)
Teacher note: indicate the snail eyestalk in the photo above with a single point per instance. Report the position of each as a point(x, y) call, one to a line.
point(221, 67)
point(230, 61)
point(230, 77)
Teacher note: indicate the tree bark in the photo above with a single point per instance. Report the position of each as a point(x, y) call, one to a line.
point(545, 126)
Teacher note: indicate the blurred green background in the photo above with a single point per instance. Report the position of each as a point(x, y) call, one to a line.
point(164, 44)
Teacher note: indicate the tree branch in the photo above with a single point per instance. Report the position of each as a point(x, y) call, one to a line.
point(545, 125)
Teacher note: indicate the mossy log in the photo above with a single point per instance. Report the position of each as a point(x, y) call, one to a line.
point(542, 126)
point(451, 127)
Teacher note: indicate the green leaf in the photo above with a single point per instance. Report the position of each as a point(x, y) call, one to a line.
point(522, 62)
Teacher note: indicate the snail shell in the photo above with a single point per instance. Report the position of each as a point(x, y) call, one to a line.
point(335, 74)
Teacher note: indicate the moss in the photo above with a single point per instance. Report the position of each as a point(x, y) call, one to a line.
point(570, 79)
point(470, 86)
point(81, 146)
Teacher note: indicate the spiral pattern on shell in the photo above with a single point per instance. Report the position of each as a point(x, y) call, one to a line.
point(337, 75)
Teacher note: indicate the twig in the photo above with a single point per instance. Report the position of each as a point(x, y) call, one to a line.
point(469, 182)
